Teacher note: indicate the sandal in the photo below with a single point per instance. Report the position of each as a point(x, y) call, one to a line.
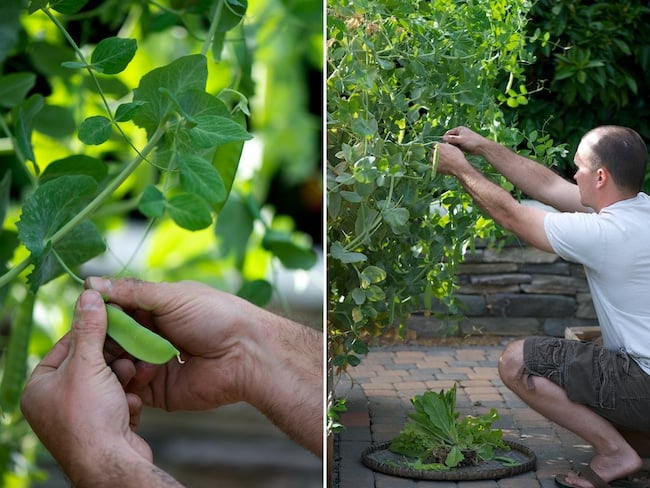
point(587, 474)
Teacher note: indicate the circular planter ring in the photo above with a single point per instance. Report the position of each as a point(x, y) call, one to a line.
point(378, 458)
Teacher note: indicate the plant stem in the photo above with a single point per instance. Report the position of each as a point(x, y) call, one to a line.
point(15, 271)
point(147, 232)
point(67, 269)
point(213, 27)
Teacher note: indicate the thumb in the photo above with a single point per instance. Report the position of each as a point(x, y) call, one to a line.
point(89, 325)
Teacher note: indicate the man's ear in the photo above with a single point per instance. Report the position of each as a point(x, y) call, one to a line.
point(603, 176)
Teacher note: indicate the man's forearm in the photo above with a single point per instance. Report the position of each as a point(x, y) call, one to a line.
point(114, 469)
point(527, 175)
point(290, 383)
point(536, 180)
point(490, 197)
point(525, 222)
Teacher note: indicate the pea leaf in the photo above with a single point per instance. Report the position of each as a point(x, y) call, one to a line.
point(73, 65)
point(214, 130)
point(95, 130)
point(214, 124)
point(233, 12)
point(24, 123)
point(152, 202)
point(50, 57)
point(258, 292)
point(55, 121)
point(67, 6)
point(226, 159)
point(358, 296)
point(189, 211)
point(10, 25)
point(127, 111)
point(78, 164)
point(208, 123)
point(372, 274)
point(200, 177)
point(78, 246)
point(113, 54)
point(396, 218)
point(290, 254)
point(234, 227)
point(338, 252)
point(52, 205)
point(14, 88)
point(35, 5)
point(181, 75)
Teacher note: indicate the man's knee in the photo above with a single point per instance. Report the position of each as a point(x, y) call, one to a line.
point(511, 362)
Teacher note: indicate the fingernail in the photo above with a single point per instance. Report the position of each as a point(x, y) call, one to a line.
point(102, 285)
point(90, 300)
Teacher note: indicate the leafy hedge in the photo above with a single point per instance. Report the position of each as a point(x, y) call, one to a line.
point(593, 69)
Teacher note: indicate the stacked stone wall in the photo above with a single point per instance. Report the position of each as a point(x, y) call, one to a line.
point(513, 290)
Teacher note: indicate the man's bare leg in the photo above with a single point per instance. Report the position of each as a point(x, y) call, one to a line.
point(614, 458)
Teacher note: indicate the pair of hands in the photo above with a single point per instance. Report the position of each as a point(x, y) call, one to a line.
point(86, 396)
point(456, 142)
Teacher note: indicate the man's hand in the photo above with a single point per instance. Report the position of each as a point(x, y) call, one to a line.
point(76, 405)
point(209, 327)
point(231, 350)
point(450, 159)
point(466, 140)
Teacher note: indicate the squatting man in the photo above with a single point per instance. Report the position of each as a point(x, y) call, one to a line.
point(601, 393)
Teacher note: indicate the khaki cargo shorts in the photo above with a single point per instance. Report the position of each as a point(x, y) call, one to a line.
point(609, 382)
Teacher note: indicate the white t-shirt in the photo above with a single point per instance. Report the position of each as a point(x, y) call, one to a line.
point(614, 247)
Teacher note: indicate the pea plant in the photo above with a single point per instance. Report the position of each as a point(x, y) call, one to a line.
point(111, 110)
point(399, 75)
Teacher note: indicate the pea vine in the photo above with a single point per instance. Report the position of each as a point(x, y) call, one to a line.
point(401, 74)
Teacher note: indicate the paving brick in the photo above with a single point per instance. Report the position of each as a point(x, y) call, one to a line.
point(478, 484)
point(518, 482)
point(471, 354)
point(433, 362)
point(386, 481)
point(482, 372)
point(408, 356)
point(355, 419)
point(380, 401)
point(382, 390)
point(423, 373)
point(437, 484)
point(440, 384)
point(412, 385)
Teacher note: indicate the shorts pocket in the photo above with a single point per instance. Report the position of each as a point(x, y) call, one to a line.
point(607, 390)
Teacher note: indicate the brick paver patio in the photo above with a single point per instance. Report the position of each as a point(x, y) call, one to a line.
point(378, 396)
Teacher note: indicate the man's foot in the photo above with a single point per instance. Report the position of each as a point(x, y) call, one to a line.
point(578, 480)
point(589, 478)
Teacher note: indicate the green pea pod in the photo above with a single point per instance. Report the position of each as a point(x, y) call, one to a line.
point(15, 366)
point(434, 159)
point(137, 340)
